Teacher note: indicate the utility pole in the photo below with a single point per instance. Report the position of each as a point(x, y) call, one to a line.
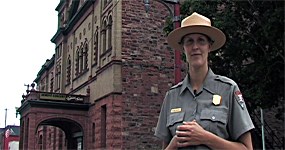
point(5, 116)
point(5, 130)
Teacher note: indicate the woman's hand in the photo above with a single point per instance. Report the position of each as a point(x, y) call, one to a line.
point(190, 133)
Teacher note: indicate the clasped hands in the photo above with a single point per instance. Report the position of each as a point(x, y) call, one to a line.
point(188, 134)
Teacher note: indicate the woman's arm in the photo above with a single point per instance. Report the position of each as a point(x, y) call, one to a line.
point(191, 133)
point(216, 142)
point(170, 146)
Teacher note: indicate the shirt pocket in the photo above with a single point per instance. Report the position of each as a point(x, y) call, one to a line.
point(174, 120)
point(215, 121)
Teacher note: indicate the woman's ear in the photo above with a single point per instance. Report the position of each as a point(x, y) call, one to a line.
point(210, 47)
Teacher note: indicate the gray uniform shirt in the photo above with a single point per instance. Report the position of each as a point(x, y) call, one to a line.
point(229, 119)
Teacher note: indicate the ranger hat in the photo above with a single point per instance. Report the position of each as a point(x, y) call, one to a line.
point(196, 23)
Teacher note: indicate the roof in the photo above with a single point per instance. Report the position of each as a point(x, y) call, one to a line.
point(15, 130)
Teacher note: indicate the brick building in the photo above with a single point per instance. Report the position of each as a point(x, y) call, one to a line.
point(105, 83)
point(9, 137)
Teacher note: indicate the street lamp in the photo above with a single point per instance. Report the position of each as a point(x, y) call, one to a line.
point(176, 23)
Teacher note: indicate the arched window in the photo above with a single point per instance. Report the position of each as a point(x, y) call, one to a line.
point(96, 46)
point(68, 70)
point(104, 3)
point(85, 55)
point(58, 76)
point(81, 60)
point(104, 36)
point(62, 20)
point(109, 33)
point(51, 82)
point(77, 63)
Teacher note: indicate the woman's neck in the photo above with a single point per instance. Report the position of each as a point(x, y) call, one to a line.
point(197, 76)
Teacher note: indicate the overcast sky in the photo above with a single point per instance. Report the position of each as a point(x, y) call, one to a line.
point(25, 31)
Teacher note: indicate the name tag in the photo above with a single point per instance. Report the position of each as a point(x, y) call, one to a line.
point(174, 110)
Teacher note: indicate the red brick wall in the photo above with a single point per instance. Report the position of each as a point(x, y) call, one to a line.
point(113, 122)
point(147, 66)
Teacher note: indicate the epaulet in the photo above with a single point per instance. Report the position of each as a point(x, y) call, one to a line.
point(224, 79)
point(176, 86)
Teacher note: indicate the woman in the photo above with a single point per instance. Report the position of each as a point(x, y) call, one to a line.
point(205, 110)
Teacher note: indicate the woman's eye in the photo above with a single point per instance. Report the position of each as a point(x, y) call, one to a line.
point(189, 41)
point(201, 41)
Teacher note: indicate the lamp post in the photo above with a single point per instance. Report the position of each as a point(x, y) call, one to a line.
point(176, 23)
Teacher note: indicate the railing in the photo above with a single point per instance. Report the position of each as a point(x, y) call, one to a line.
point(271, 139)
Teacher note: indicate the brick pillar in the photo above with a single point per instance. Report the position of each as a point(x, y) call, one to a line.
point(31, 126)
point(21, 141)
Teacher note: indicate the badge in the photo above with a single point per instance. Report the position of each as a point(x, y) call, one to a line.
point(217, 99)
point(174, 110)
point(239, 99)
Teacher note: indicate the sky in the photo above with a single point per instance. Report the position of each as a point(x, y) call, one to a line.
point(26, 29)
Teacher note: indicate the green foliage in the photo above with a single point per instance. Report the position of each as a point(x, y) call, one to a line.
point(253, 55)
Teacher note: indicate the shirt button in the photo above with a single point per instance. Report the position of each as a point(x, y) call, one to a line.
point(213, 117)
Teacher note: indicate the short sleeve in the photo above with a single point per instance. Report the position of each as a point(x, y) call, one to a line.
point(161, 130)
point(240, 121)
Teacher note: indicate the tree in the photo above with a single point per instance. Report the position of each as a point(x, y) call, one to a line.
point(253, 55)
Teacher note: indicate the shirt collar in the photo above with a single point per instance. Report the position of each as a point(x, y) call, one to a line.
point(206, 84)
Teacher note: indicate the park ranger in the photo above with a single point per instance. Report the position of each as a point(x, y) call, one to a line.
point(205, 110)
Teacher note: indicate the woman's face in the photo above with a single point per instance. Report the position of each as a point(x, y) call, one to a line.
point(196, 48)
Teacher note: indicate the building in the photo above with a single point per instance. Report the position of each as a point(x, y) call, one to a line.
point(106, 81)
point(10, 137)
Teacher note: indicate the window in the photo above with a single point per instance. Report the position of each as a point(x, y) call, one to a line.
point(104, 3)
point(51, 82)
point(58, 76)
point(81, 60)
point(85, 56)
point(62, 20)
point(68, 70)
point(77, 63)
point(93, 132)
point(103, 126)
point(109, 32)
point(58, 51)
point(104, 36)
point(42, 85)
point(96, 46)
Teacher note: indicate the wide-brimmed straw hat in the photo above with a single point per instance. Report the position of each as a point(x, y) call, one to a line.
point(196, 23)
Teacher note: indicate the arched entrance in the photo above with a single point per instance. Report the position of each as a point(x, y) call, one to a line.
point(68, 132)
point(53, 121)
